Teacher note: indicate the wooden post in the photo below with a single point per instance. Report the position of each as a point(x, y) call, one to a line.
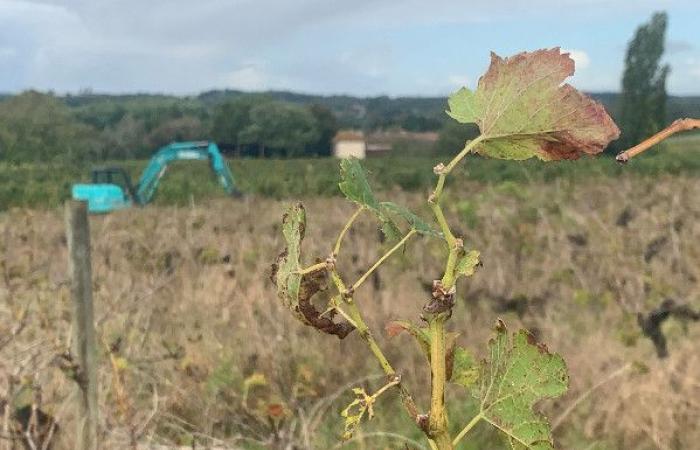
point(83, 348)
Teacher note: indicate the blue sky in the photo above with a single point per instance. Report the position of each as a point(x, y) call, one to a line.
point(360, 47)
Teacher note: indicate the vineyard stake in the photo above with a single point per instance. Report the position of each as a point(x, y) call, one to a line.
point(83, 339)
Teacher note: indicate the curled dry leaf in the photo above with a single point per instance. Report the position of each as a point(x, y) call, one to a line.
point(296, 290)
point(523, 110)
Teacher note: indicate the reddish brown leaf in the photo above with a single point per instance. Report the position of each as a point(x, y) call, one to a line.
point(523, 109)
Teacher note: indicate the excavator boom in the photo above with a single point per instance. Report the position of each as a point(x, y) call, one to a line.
point(181, 151)
point(104, 196)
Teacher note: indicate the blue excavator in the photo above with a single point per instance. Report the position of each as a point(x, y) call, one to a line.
point(111, 188)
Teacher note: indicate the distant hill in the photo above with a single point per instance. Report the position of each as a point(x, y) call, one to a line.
point(410, 113)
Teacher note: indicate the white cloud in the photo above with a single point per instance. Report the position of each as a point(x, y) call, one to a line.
point(580, 57)
point(361, 47)
point(250, 78)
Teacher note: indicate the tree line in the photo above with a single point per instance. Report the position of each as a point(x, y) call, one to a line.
point(43, 127)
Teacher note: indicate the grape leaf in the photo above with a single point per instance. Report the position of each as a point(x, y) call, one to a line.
point(354, 184)
point(414, 221)
point(518, 375)
point(523, 110)
point(287, 276)
point(467, 263)
point(465, 371)
point(355, 187)
point(296, 290)
point(356, 410)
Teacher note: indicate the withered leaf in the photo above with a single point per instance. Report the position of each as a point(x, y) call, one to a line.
point(523, 109)
point(467, 263)
point(296, 290)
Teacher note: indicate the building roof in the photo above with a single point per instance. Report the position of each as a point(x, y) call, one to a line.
point(349, 135)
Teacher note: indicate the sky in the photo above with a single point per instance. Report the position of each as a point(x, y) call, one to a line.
point(356, 47)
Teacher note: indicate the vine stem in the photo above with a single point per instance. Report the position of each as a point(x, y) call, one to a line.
point(467, 148)
point(438, 416)
point(675, 127)
point(348, 224)
point(381, 260)
point(438, 424)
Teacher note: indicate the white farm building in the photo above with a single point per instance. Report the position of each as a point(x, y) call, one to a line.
point(349, 144)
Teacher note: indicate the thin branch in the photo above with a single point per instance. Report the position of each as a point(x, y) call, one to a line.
point(381, 260)
point(313, 268)
point(675, 127)
point(348, 224)
point(366, 335)
point(467, 148)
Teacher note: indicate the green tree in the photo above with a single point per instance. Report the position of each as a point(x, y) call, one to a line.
point(186, 128)
point(125, 139)
point(281, 126)
point(327, 129)
point(36, 127)
point(231, 118)
point(643, 99)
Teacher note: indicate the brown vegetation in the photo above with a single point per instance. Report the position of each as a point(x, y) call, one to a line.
point(196, 348)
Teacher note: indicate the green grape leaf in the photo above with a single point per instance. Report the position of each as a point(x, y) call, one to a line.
point(354, 184)
point(519, 374)
point(390, 229)
point(414, 221)
point(356, 410)
point(465, 371)
point(523, 110)
point(467, 264)
point(296, 290)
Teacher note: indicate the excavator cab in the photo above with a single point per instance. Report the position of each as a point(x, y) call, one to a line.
point(114, 175)
point(111, 189)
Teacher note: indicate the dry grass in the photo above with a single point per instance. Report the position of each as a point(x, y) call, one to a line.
point(202, 351)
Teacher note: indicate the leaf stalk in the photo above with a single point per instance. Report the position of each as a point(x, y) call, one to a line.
point(381, 260)
point(348, 224)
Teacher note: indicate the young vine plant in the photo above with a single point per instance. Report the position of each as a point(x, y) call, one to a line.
point(523, 109)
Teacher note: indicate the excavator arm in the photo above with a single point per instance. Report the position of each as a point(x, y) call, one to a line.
point(179, 151)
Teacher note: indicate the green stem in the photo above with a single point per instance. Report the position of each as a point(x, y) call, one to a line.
point(348, 224)
point(381, 260)
point(440, 216)
point(467, 148)
point(437, 426)
point(466, 429)
point(313, 268)
point(384, 388)
point(448, 278)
